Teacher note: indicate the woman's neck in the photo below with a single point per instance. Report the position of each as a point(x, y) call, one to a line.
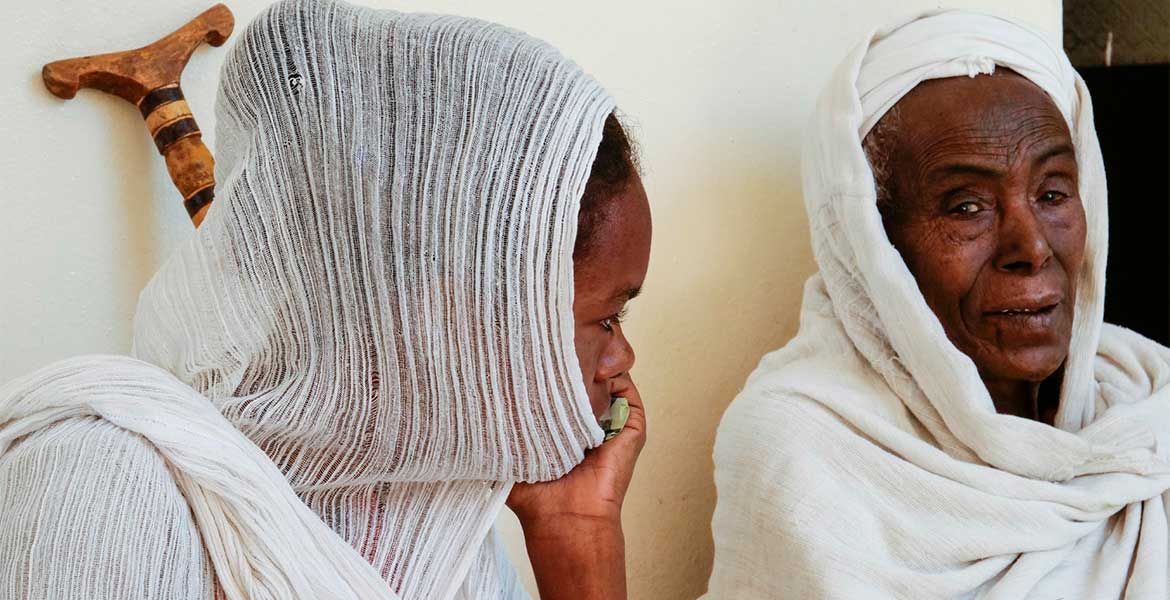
point(1026, 399)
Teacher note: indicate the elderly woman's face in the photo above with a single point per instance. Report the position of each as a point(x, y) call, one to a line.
point(605, 279)
point(985, 211)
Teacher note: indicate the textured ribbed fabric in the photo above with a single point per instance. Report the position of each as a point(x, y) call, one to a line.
point(123, 481)
point(866, 459)
point(377, 308)
point(79, 523)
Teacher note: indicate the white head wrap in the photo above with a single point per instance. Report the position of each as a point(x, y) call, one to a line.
point(872, 409)
point(380, 298)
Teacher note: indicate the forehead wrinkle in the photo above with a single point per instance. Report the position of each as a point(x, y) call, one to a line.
point(1032, 132)
point(967, 142)
point(993, 150)
point(1031, 125)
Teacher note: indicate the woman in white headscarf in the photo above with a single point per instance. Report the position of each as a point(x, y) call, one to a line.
point(403, 304)
point(953, 419)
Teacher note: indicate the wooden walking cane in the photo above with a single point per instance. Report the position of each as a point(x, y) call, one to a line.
point(148, 77)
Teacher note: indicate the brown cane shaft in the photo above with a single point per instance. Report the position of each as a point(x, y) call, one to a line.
point(179, 140)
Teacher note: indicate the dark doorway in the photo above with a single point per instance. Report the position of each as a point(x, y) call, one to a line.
point(1131, 105)
point(1122, 50)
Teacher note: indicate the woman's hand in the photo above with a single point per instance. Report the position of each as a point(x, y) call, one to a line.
point(572, 525)
point(595, 488)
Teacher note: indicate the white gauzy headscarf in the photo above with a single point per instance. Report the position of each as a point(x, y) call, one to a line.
point(866, 458)
point(380, 300)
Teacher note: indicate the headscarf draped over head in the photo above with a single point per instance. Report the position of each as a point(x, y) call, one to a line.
point(869, 444)
point(380, 298)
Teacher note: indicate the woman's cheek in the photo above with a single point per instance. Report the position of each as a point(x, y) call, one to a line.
point(589, 349)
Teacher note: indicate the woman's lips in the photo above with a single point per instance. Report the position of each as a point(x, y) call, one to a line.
point(1025, 304)
point(1021, 311)
point(1024, 317)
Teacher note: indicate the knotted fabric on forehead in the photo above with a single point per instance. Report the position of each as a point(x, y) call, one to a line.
point(381, 297)
point(894, 65)
point(866, 457)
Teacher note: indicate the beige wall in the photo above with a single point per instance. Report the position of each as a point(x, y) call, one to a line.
point(716, 93)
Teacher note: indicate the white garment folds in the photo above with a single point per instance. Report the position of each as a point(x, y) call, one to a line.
point(370, 338)
point(865, 459)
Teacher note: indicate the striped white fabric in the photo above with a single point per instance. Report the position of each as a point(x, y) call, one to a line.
point(367, 341)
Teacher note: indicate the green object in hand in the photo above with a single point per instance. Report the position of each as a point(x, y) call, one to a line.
point(614, 417)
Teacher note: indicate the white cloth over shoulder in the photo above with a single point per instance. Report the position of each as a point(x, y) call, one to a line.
point(865, 459)
point(370, 337)
point(262, 541)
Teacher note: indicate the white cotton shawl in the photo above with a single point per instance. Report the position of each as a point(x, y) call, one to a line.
point(366, 342)
point(865, 459)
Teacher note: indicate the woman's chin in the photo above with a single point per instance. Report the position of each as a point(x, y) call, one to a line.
point(1032, 363)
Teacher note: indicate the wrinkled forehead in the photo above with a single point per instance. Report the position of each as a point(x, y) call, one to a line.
point(957, 114)
point(954, 44)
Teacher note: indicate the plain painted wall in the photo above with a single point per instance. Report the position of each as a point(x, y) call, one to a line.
point(716, 94)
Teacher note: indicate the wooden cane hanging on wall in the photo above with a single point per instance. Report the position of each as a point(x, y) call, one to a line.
point(148, 77)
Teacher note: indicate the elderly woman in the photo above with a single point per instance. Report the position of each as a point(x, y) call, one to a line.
point(953, 419)
point(404, 305)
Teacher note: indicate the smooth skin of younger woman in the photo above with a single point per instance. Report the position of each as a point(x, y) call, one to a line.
point(572, 526)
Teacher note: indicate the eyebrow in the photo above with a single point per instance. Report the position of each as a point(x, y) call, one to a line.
point(1059, 149)
point(626, 295)
point(946, 170)
point(962, 169)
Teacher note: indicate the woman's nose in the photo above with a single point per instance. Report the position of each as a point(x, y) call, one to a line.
point(618, 357)
point(1023, 241)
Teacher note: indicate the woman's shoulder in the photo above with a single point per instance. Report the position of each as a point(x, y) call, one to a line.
point(1129, 366)
point(774, 436)
point(797, 421)
point(88, 442)
point(88, 467)
point(88, 373)
point(787, 405)
point(807, 394)
point(89, 508)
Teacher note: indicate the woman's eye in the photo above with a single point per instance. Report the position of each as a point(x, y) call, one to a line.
point(966, 209)
point(1052, 196)
point(609, 322)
